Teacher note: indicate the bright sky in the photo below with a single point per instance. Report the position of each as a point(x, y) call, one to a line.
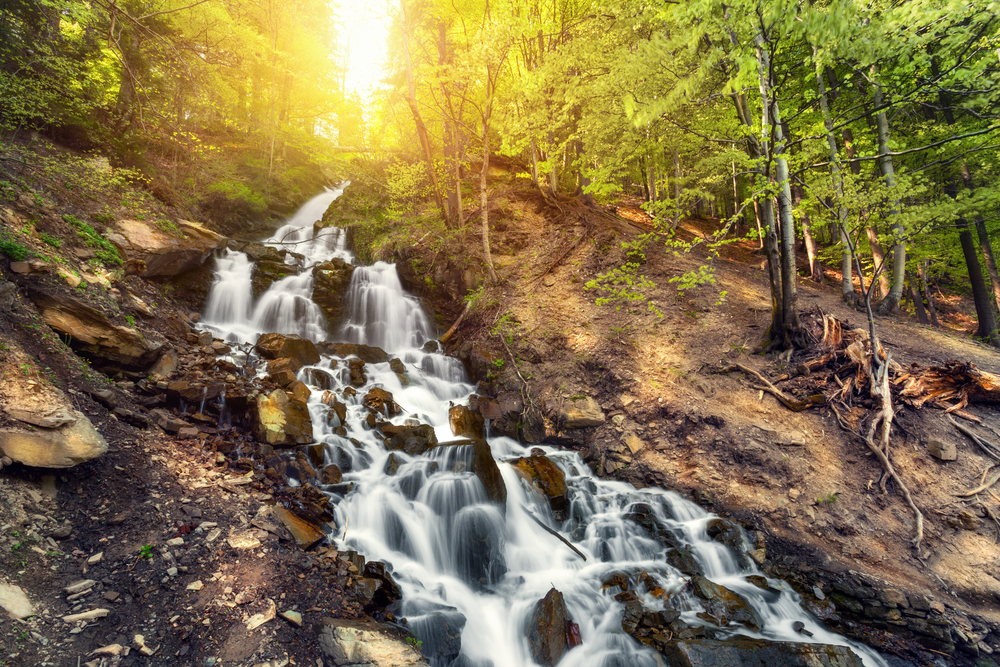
point(365, 30)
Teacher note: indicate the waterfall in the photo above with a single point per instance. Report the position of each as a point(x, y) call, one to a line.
point(466, 566)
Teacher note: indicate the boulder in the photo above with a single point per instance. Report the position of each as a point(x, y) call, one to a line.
point(367, 353)
point(258, 252)
point(282, 421)
point(464, 422)
point(283, 364)
point(265, 273)
point(724, 605)
point(90, 332)
point(320, 378)
point(332, 474)
point(166, 254)
point(580, 413)
point(380, 402)
point(70, 438)
point(414, 440)
point(357, 367)
point(545, 477)
point(359, 643)
point(299, 391)
point(330, 282)
point(547, 629)
point(440, 634)
point(745, 652)
point(166, 364)
point(305, 533)
point(287, 346)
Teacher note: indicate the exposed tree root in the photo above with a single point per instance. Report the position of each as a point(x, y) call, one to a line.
point(987, 448)
point(792, 404)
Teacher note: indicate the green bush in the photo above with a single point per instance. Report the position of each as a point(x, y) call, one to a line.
point(15, 251)
point(104, 250)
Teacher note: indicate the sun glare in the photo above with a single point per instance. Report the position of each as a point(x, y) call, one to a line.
point(365, 30)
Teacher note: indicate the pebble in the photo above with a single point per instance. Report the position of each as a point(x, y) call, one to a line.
point(213, 535)
point(171, 571)
point(96, 558)
point(195, 586)
point(293, 617)
point(86, 615)
point(79, 586)
point(175, 542)
point(111, 596)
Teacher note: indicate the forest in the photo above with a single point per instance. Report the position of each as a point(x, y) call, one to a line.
point(863, 132)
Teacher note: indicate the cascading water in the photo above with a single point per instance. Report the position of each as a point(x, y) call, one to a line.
point(465, 565)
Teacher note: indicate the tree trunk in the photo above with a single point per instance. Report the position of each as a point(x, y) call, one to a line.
point(878, 255)
point(925, 288)
point(890, 302)
point(847, 280)
point(786, 328)
point(651, 180)
point(991, 262)
point(411, 101)
point(484, 202)
point(980, 295)
point(918, 304)
point(677, 175)
point(534, 163)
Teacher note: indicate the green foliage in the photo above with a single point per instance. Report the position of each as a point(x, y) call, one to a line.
point(104, 250)
point(13, 249)
point(50, 240)
point(130, 320)
point(146, 551)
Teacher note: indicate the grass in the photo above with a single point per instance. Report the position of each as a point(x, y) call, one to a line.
point(50, 240)
point(103, 248)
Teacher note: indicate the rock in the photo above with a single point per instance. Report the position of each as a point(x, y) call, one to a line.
point(139, 641)
point(91, 333)
point(53, 418)
point(333, 475)
point(320, 378)
point(464, 422)
point(440, 633)
point(195, 585)
point(30, 266)
point(366, 353)
point(261, 618)
point(305, 533)
point(293, 617)
point(580, 414)
point(79, 586)
point(63, 447)
point(744, 652)
point(8, 291)
point(683, 560)
point(633, 442)
point(258, 252)
point(15, 602)
point(86, 615)
point(330, 282)
point(166, 364)
point(96, 558)
point(287, 346)
point(484, 466)
point(110, 649)
point(284, 364)
point(281, 420)
point(358, 643)
point(266, 272)
point(725, 605)
point(547, 629)
point(397, 366)
point(299, 391)
point(243, 541)
point(388, 590)
point(545, 477)
point(380, 402)
point(940, 449)
point(414, 440)
point(166, 254)
point(632, 615)
point(357, 369)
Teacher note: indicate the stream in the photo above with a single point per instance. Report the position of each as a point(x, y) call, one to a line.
point(466, 566)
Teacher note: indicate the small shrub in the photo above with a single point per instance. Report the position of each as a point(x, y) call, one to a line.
point(103, 248)
point(15, 251)
point(51, 240)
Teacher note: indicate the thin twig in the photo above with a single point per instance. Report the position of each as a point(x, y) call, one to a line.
point(982, 487)
point(985, 446)
point(556, 535)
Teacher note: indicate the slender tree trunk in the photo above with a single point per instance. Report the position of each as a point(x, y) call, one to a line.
point(890, 302)
point(651, 180)
point(677, 175)
point(786, 328)
point(918, 304)
point(534, 163)
point(418, 120)
point(925, 288)
point(847, 280)
point(991, 262)
point(878, 256)
point(980, 295)
point(485, 204)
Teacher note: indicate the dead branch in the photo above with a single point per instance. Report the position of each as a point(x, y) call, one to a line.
point(449, 332)
point(556, 535)
point(560, 258)
point(982, 487)
point(792, 404)
point(989, 449)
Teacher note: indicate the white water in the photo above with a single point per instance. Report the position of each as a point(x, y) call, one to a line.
point(452, 552)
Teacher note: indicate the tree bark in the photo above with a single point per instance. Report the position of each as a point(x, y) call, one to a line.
point(918, 304)
point(878, 255)
point(925, 288)
point(980, 295)
point(890, 302)
point(991, 262)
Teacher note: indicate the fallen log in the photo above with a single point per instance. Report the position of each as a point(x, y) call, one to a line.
point(955, 380)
